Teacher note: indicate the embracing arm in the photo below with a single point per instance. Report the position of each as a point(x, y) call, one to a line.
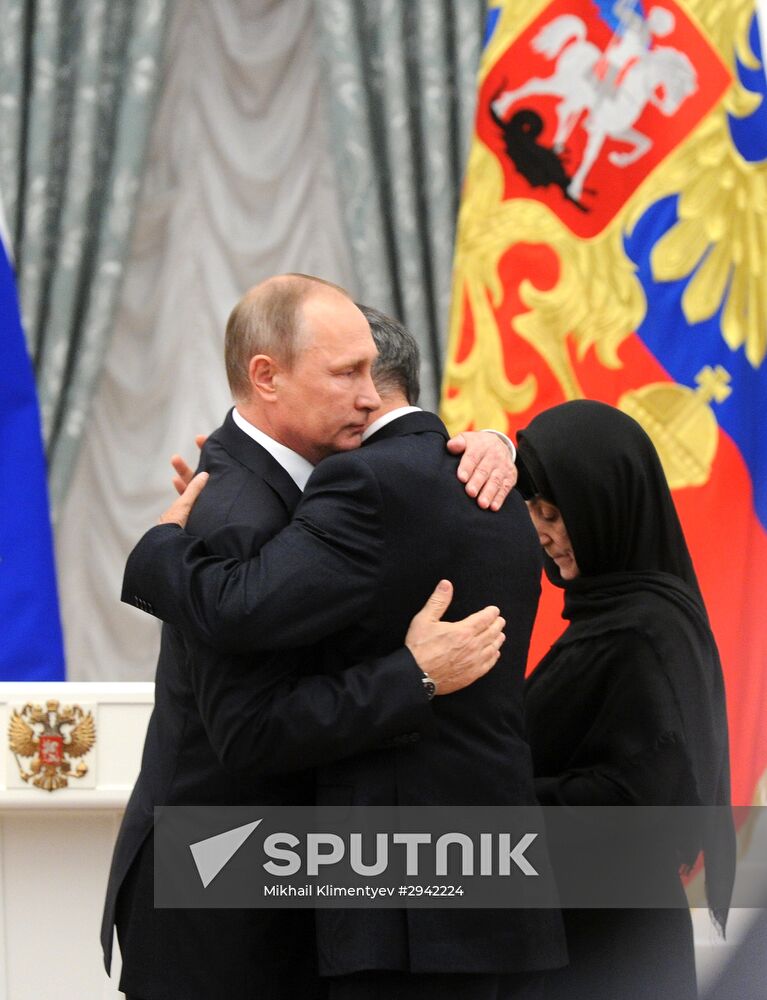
point(262, 714)
point(314, 578)
point(261, 710)
point(311, 580)
point(487, 467)
point(319, 570)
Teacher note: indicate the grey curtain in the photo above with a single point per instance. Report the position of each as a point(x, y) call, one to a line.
point(78, 81)
point(401, 78)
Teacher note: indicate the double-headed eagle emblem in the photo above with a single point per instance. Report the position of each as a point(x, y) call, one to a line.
point(54, 737)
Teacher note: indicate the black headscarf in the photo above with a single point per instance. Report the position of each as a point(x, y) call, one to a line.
point(600, 468)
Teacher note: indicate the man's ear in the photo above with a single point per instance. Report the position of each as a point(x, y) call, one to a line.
point(262, 371)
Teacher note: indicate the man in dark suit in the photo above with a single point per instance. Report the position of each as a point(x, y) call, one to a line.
point(374, 529)
point(203, 746)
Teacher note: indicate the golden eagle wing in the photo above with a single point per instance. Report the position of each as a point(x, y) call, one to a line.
point(718, 245)
point(21, 737)
point(82, 737)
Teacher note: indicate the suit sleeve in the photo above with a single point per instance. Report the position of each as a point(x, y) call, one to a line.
point(271, 719)
point(314, 578)
point(263, 710)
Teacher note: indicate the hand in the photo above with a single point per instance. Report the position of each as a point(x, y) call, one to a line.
point(454, 654)
point(179, 511)
point(487, 467)
point(185, 472)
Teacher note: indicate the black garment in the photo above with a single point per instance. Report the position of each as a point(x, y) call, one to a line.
point(445, 986)
point(628, 705)
point(375, 531)
point(202, 748)
point(627, 955)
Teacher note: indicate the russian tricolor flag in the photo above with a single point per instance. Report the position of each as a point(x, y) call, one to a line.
point(31, 646)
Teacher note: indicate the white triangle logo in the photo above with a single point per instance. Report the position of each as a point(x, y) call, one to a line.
point(212, 854)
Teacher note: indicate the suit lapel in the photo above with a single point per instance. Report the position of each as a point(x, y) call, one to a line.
point(421, 422)
point(249, 453)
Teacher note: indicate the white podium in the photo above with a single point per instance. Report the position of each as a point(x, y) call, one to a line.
point(56, 846)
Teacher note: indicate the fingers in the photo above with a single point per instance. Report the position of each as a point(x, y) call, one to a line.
point(474, 655)
point(438, 602)
point(482, 620)
point(194, 489)
point(493, 478)
point(483, 637)
point(489, 634)
point(492, 639)
point(179, 511)
point(494, 492)
point(484, 485)
point(456, 445)
point(487, 468)
point(481, 457)
point(470, 459)
point(183, 472)
point(489, 655)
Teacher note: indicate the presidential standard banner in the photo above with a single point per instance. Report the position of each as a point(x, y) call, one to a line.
point(611, 245)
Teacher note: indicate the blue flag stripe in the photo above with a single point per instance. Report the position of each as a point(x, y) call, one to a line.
point(31, 647)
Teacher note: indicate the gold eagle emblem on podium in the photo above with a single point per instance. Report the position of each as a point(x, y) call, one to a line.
point(56, 738)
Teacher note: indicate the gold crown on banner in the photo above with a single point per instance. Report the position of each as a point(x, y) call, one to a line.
point(681, 423)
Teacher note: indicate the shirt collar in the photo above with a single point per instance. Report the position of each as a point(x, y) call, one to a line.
point(296, 466)
point(387, 419)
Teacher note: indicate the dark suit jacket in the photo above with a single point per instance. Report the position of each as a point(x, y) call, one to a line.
point(375, 531)
point(202, 747)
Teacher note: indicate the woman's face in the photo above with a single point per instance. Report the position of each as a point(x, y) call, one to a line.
point(552, 534)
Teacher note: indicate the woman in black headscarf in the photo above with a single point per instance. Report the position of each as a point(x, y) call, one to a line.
point(627, 707)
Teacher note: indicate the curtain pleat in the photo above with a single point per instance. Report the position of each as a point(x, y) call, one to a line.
point(401, 81)
point(77, 96)
point(239, 185)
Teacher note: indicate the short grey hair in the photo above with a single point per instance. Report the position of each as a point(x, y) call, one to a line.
point(397, 366)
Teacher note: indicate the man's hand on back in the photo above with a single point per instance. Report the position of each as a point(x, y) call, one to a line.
point(454, 654)
point(487, 466)
point(179, 511)
point(183, 471)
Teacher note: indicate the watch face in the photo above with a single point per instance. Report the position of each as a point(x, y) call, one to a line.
point(429, 687)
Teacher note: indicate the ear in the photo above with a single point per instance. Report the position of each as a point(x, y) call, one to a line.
point(262, 372)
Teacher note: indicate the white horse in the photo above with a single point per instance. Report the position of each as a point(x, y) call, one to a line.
point(664, 77)
point(573, 78)
point(587, 79)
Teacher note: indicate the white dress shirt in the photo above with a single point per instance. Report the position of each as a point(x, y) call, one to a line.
point(297, 467)
point(402, 410)
point(387, 419)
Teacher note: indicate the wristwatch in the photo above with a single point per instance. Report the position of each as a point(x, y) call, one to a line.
point(429, 686)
